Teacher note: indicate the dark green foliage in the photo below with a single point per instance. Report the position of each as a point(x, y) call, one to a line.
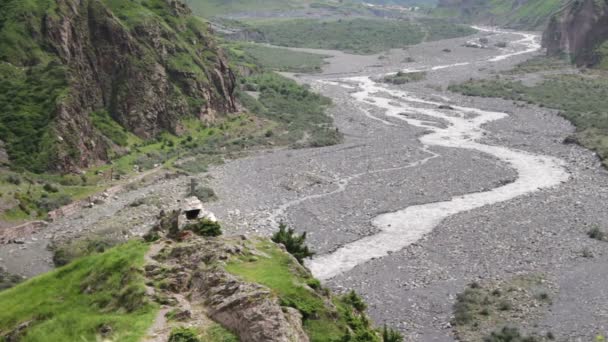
point(184, 335)
point(13, 179)
point(391, 335)
point(353, 299)
point(404, 77)
point(294, 243)
point(597, 234)
point(47, 204)
point(509, 334)
point(48, 187)
point(205, 227)
point(299, 110)
point(362, 36)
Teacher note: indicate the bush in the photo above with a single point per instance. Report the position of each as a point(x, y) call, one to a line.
point(390, 335)
point(508, 334)
point(293, 243)
point(205, 227)
point(13, 179)
point(353, 299)
point(204, 194)
point(51, 203)
point(183, 335)
point(48, 187)
point(597, 234)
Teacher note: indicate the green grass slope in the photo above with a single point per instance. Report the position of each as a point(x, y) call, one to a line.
point(360, 36)
point(531, 14)
point(209, 8)
point(79, 302)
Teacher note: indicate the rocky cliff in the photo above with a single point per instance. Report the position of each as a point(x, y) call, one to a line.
point(517, 14)
point(579, 30)
point(143, 65)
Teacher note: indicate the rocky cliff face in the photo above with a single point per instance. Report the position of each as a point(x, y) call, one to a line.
point(579, 30)
point(148, 64)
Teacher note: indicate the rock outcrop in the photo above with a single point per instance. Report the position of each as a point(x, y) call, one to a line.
point(195, 270)
point(147, 66)
point(578, 31)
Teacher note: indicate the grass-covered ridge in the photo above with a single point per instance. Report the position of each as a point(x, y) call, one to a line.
point(79, 302)
point(360, 36)
point(342, 320)
point(580, 98)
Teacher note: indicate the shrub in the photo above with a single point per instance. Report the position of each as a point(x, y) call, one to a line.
point(391, 335)
point(597, 234)
point(295, 244)
point(204, 194)
point(13, 179)
point(353, 299)
point(51, 203)
point(205, 227)
point(183, 335)
point(508, 334)
point(48, 187)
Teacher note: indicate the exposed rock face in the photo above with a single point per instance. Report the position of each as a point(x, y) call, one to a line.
point(147, 67)
point(578, 30)
point(249, 310)
point(3, 154)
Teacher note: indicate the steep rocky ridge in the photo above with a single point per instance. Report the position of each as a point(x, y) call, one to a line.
point(147, 64)
point(580, 31)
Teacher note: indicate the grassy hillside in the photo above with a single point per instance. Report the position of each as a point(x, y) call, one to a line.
point(532, 14)
point(100, 296)
point(209, 8)
point(361, 36)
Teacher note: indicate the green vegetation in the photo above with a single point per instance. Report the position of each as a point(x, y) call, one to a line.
point(205, 227)
point(101, 296)
point(217, 333)
point(480, 309)
point(360, 36)
point(289, 281)
point(184, 335)
point(405, 77)
point(209, 8)
point(582, 99)
point(278, 59)
point(514, 14)
point(294, 244)
point(110, 128)
point(597, 234)
point(509, 334)
point(300, 112)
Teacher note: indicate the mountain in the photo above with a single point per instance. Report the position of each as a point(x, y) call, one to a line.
point(76, 76)
point(517, 14)
point(580, 30)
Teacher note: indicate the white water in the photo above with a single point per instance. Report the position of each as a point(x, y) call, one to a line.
point(404, 227)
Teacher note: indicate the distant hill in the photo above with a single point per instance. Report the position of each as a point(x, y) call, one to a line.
point(517, 14)
point(210, 8)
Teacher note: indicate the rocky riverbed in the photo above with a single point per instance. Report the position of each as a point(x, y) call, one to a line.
point(386, 165)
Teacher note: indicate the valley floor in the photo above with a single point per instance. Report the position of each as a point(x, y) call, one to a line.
point(335, 193)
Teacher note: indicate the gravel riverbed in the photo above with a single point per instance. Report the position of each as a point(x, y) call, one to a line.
point(334, 193)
